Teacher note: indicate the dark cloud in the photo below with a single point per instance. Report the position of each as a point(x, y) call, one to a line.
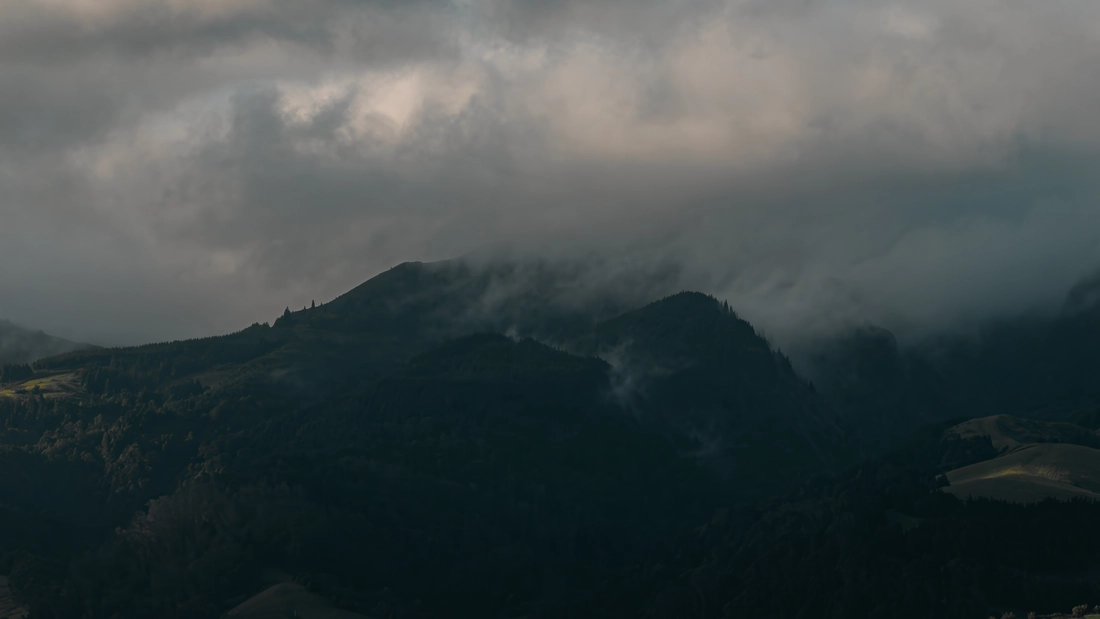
point(179, 168)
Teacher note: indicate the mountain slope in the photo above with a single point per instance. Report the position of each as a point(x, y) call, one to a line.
point(1032, 473)
point(1038, 460)
point(388, 420)
point(1039, 367)
point(398, 456)
point(692, 363)
point(474, 474)
point(21, 346)
point(288, 600)
point(1008, 432)
point(316, 353)
point(877, 540)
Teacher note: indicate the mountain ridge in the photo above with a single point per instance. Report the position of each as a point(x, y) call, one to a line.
point(448, 441)
point(21, 346)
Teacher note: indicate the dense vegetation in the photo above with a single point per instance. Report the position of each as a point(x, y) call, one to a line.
point(394, 453)
point(878, 541)
point(1032, 366)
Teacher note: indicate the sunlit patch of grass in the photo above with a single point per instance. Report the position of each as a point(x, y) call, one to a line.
point(49, 386)
point(42, 383)
point(1046, 472)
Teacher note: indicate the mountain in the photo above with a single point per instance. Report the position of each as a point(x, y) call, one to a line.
point(485, 440)
point(1038, 367)
point(863, 373)
point(880, 539)
point(393, 445)
point(1037, 460)
point(19, 346)
point(1032, 473)
point(693, 363)
point(499, 459)
point(1008, 432)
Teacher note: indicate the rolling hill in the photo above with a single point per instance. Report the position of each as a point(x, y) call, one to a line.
point(20, 346)
point(1032, 473)
point(1039, 367)
point(1037, 460)
point(1007, 432)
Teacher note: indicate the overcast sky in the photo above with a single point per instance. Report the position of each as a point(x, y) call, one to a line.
point(175, 168)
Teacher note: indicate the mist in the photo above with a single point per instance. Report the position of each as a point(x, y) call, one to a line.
point(19, 346)
point(189, 168)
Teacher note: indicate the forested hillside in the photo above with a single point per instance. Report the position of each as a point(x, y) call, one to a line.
point(396, 455)
point(1036, 367)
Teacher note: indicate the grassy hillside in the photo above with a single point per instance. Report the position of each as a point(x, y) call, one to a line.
point(1030, 473)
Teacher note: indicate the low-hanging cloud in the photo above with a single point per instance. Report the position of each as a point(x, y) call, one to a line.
point(176, 169)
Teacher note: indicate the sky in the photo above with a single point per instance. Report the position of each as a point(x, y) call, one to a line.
point(178, 168)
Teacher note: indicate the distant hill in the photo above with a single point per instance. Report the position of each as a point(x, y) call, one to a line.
point(1038, 367)
point(1032, 473)
point(19, 345)
point(1038, 460)
point(1007, 432)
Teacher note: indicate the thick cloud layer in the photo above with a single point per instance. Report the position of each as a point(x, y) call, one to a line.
point(181, 168)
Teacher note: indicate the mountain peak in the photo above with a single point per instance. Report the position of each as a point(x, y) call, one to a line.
point(690, 299)
point(684, 324)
